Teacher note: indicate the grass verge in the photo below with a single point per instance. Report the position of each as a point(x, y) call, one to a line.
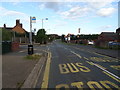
point(33, 57)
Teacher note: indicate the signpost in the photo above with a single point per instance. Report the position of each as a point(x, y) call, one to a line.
point(78, 30)
point(30, 47)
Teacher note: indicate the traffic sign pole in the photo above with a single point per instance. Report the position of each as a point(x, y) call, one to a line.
point(30, 30)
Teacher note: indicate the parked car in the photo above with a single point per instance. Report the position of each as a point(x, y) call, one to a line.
point(113, 45)
point(90, 42)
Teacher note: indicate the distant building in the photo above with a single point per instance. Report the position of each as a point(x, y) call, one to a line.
point(107, 36)
point(54, 35)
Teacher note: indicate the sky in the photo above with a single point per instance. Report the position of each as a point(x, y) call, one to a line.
point(91, 16)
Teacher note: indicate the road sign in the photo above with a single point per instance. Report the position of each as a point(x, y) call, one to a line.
point(78, 30)
point(33, 19)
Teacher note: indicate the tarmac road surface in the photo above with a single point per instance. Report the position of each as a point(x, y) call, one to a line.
point(71, 66)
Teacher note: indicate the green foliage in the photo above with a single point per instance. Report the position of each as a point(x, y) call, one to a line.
point(50, 38)
point(33, 57)
point(63, 37)
point(41, 36)
point(6, 35)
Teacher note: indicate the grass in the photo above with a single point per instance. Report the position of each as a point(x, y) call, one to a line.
point(33, 57)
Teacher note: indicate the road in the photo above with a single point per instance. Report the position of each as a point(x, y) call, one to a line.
point(71, 66)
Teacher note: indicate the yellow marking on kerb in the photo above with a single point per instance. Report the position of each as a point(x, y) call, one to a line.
point(46, 73)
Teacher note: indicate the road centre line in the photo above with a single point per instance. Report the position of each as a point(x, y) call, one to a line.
point(95, 53)
point(111, 76)
point(46, 73)
point(76, 54)
point(106, 71)
point(101, 66)
point(97, 65)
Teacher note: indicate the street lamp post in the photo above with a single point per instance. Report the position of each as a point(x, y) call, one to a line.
point(42, 21)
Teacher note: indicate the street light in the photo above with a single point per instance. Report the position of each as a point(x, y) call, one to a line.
point(42, 21)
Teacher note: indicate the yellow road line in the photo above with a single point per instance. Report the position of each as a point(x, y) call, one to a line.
point(90, 63)
point(104, 56)
point(46, 73)
point(111, 76)
point(86, 58)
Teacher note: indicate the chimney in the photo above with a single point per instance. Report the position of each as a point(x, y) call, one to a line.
point(21, 25)
point(17, 22)
point(4, 25)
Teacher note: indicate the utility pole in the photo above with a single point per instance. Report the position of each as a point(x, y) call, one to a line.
point(42, 21)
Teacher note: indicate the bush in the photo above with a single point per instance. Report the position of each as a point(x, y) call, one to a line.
point(6, 35)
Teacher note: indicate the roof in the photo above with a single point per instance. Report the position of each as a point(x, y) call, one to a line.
point(8, 28)
point(18, 29)
point(108, 33)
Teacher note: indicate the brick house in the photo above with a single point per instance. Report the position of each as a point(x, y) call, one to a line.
point(19, 33)
point(105, 37)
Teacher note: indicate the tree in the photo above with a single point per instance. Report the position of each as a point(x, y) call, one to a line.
point(6, 35)
point(63, 38)
point(41, 36)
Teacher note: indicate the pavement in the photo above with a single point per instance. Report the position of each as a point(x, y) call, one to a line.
point(16, 69)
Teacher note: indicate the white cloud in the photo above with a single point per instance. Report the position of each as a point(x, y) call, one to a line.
point(42, 6)
point(104, 27)
point(57, 0)
point(75, 12)
point(13, 13)
point(60, 23)
point(5, 12)
point(50, 5)
point(106, 11)
point(9, 15)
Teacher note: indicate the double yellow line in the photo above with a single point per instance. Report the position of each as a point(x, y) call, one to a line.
point(46, 73)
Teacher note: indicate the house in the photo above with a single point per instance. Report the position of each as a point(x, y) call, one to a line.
point(19, 33)
point(55, 36)
point(107, 36)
